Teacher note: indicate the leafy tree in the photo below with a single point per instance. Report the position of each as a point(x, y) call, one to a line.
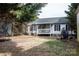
point(29, 12)
point(7, 15)
point(23, 12)
point(5, 7)
point(5, 10)
point(20, 11)
point(71, 15)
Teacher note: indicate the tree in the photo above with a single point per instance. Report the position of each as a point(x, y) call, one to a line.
point(5, 10)
point(71, 16)
point(22, 12)
point(29, 12)
point(6, 14)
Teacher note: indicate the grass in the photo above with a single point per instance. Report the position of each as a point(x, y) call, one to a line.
point(53, 48)
point(61, 48)
point(56, 43)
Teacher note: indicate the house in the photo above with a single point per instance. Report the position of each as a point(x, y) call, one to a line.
point(52, 26)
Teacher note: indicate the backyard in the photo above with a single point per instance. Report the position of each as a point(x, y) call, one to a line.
point(25, 45)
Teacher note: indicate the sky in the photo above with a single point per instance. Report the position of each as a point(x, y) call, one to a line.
point(54, 10)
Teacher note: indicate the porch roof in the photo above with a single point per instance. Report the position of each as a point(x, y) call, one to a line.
point(51, 20)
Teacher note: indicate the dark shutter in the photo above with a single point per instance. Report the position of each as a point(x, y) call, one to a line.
point(57, 27)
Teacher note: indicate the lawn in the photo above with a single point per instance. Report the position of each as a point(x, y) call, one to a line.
point(37, 46)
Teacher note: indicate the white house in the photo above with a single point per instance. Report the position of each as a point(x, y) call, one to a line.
point(48, 26)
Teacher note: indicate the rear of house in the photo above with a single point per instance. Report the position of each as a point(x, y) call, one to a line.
point(52, 26)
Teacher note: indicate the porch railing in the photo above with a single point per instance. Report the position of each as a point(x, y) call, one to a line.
point(43, 31)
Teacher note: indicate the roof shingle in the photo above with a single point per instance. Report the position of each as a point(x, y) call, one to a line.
point(51, 20)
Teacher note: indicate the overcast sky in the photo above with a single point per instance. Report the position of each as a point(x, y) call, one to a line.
point(54, 10)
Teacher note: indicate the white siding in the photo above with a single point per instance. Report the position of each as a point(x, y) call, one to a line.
point(57, 32)
point(52, 29)
point(63, 26)
point(48, 31)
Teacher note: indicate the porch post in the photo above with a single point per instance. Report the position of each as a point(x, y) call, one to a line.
point(29, 30)
point(37, 30)
point(33, 31)
point(50, 30)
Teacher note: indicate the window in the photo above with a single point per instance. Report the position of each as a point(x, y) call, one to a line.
point(57, 27)
point(67, 27)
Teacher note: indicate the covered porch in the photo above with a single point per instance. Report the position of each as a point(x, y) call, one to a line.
point(40, 29)
point(50, 29)
point(46, 28)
